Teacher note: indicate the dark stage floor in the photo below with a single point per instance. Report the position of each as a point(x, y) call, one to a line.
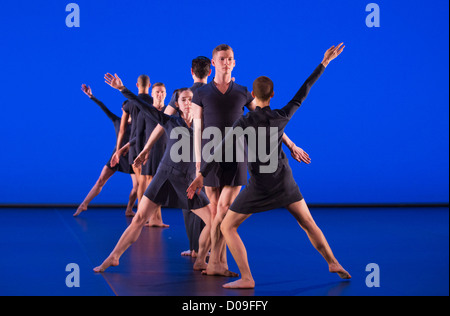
point(409, 245)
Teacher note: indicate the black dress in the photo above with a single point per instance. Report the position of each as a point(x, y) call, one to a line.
point(169, 185)
point(144, 128)
point(193, 223)
point(123, 165)
point(269, 190)
point(221, 110)
point(133, 110)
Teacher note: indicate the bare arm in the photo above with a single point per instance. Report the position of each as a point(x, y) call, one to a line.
point(154, 137)
point(198, 128)
point(123, 127)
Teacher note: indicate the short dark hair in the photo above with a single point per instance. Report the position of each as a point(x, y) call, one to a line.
point(221, 47)
point(263, 88)
point(201, 66)
point(158, 84)
point(144, 80)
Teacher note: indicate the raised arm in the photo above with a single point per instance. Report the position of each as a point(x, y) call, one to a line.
point(301, 95)
point(87, 90)
point(147, 109)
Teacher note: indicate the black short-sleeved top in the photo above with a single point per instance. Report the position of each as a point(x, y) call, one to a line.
point(221, 110)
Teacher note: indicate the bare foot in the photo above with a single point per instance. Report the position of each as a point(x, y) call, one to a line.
point(80, 209)
point(200, 266)
point(109, 262)
point(240, 284)
point(337, 268)
point(189, 253)
point(129, 213)
point(151, 223)
point(219, 270)
point(186, 253)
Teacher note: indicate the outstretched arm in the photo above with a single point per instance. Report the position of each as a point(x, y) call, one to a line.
point(296, 152)
point(147, 109)
point(87, 90)
point(301, 95)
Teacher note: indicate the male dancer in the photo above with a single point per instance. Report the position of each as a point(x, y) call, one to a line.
point(268, 191)
point(219, 104)
point(108, 170)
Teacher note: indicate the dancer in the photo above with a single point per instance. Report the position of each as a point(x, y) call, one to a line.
point(219, 104)
point(200, 71)
point(108, 170)
point(267, 191)
point(144, 128)
point(131, 110)
point(171, 181)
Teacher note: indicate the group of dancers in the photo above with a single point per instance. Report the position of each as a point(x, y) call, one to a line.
point(208, 190)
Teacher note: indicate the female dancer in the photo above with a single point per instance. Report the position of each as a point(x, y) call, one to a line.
point(108, 170)
point(170, 183)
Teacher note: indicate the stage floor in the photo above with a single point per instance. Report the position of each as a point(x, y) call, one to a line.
point(409, 245)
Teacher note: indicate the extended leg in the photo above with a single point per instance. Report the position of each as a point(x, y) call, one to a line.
point(96, 189)
point(145, 209)
point(303, 216)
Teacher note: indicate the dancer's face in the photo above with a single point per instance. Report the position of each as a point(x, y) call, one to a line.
point(184, 101)
point(224, 62)
point(159, 94)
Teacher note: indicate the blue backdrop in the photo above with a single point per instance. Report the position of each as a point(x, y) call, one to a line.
point(376, 124)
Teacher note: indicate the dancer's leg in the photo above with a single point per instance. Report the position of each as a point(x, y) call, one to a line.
point(204, 240)
point(218, 260)
point(303, 216)
point(229, 228)
point(156, 219)
point(213, 195)
point(133, 196)
point(227, 197)
point(145, 209)
point(96, 189)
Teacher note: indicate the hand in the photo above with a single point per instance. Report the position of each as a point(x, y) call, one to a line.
point(300, 155)
point(87, 90)
point(115, 159)
point(141, 159)
point(114, 81)
point(195, 187)
point(332, 53)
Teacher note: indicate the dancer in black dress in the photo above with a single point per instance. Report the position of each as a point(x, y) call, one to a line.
point(131, 110)
point(200, 71)
point(108, 170)
point(270, 190)
point(218, 105)
point(144, 128)
point(171, 180)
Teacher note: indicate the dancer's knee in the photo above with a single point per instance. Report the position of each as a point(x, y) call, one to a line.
point(139, 220)
point(308, 225)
